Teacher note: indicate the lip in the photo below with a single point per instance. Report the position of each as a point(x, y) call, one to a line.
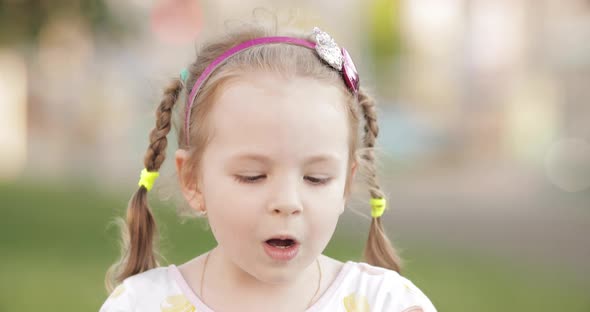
point(283, 236)
point(281, 254)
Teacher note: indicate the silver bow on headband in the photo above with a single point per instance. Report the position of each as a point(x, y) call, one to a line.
point(336, 57)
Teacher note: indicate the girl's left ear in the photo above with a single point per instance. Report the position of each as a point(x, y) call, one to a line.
point(348, 187)
point(189, 187)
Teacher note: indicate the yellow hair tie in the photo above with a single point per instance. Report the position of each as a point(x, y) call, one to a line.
point(377, 207)
point(147, 179)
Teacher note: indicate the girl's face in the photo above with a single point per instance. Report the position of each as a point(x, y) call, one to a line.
point(275, 168)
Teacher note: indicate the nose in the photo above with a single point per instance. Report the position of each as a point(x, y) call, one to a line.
point(286, 199)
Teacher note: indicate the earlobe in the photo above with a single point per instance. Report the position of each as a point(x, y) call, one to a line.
point(181, 160)
point(188, 186)
point(343, 207)
point(353, 170)
point(351, 175)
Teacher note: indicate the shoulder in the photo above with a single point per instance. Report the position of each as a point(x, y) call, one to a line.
point(148, 288)
point(384, 290)
point(157, 279)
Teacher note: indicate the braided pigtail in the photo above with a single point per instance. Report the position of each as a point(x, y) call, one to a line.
point(378, 250)
point(139, 231)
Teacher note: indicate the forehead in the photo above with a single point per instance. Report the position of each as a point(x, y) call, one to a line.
point(281, 117)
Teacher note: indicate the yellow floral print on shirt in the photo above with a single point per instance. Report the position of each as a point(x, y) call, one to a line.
point(356, 303)
point(177, 303)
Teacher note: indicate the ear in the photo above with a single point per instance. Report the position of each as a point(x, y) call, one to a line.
point(348, 186)
point(189, 182)
point(348, 189)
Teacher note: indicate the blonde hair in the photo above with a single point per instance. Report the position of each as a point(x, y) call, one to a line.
point(139, 231)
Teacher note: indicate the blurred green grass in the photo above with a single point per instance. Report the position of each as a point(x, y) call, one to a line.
point(56, 246)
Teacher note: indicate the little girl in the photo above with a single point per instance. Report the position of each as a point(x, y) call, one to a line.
point(269, 145)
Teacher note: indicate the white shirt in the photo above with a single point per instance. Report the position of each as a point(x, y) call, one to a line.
point(358, 287)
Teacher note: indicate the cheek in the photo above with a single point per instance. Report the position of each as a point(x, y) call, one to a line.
point(231, 224)
point(334, 197)
point(230, 209)
point(324, 217)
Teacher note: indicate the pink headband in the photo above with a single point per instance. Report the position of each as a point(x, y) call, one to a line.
point(325, 46)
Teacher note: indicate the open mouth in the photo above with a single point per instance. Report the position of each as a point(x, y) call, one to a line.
point(281, 243)
point(282, 248)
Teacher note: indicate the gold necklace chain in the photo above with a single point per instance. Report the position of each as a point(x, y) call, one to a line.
point(310, 302)
point(317, 290)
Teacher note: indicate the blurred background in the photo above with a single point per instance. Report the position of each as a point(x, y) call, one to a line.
point(485, 114)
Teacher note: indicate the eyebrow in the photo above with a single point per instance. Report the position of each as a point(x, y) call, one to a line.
point(265, 159)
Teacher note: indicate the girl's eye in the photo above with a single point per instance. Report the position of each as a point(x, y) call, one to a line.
point(318, 181)
point(254, 179)
point(248, 179)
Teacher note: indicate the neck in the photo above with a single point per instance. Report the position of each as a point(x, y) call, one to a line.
point(223, 277)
